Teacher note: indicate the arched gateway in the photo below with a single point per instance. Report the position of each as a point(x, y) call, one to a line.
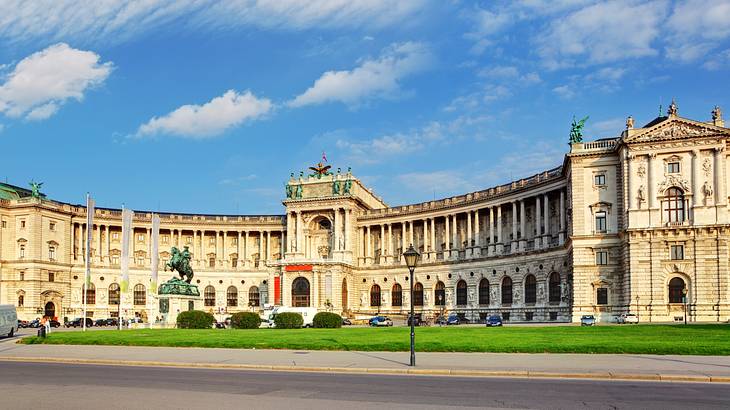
point(300, 292)
point(50, 310)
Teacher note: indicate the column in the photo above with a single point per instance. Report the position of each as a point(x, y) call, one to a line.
point(368, 259)
point(245, 249)
point(410, 234)
point(469, 236)
point(108, 242)
point(538, 223)
point(425, 239)
point(99, 247)
point(217, 247)
point(720, 179)
point(515, 241)
point(348, 221)
point(149, 245)
point(337, 229)
point(447, 238)
point(455, 235)
point(223, 248)
point(403, 237)
point(391, 250)
point(299, 236)
point(268, 245)
point(241, 259)
point(433, 239)
point(650, 180)
point(629, 186)
point(561, 234)
point(477, 233)
point(383, 253)
point(490, 251)
point(546, 216)
point(499, 245)
point(523, 242)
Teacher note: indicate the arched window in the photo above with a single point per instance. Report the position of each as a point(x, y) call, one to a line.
point(418, 294)
point(209, 295)
point(254, 297)
point(676, 289)
point(300, 292)
point(232, 296)
point(140, 295)
point(396, 295)
point(375, 295)
point(674, 205)
point(439, 294)
point(114, 294)
point(507, 291)
point(90, 294)
point(530, 289)
point(484, 292)
point(461, 293)
point(554, 287)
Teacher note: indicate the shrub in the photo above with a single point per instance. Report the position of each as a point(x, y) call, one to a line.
point(288, 320)
point(245, 320)
point(195, 319)
point(327, 320)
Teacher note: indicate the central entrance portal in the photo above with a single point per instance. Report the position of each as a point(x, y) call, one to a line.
point(50, 310)
point(300, 292)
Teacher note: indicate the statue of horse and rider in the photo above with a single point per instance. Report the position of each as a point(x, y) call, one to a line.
point(180, 262)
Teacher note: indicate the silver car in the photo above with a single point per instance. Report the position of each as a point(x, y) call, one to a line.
point(587, 320)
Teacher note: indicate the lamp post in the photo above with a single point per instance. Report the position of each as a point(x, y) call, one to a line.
point(637, 309)
point(411, 256)
point(684, 302)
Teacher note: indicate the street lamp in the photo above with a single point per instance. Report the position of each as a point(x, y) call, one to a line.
point(684, 302)
point(411, 256)
point(637, 308)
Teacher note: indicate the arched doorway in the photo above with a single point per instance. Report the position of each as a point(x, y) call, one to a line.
point(344, 294)
point(300, 292)
point(50, 310)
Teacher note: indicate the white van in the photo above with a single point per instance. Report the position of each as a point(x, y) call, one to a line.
point(8, 321)
point(306, 312)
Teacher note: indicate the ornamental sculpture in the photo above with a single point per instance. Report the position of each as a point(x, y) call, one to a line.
point(672, 110)
point(576, 130)
point(320, 170)
point(180, 262)
point(35, 189)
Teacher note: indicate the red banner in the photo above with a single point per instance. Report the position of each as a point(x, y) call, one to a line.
point(277, 290)
point(298, 268)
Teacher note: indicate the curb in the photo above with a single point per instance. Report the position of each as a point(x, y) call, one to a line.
point(385, 371)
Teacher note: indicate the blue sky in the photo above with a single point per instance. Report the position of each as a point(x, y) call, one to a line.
point(202, 106)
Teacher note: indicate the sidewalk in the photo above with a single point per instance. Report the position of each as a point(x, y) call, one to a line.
point(633, 367)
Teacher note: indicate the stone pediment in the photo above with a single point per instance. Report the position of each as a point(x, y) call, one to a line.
point(675, 128)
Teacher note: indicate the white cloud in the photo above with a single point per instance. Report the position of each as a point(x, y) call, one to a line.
point(210, 119)
point(42, 82)
point(114, 21)
point(371, 79)
point(486, 24)
point(564, 91)
point(606, 128)
point(602, 33)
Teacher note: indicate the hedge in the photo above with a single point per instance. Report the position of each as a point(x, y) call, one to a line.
point(327, 320)
point(288, 320)
point(195, 319)
point(245, 320)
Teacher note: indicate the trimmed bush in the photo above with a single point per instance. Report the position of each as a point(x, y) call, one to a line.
point(195, 319)
point(245, 320)
point(288, 320)
point(327, 320)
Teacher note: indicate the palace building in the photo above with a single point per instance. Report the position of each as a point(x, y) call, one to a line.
point(633, 224)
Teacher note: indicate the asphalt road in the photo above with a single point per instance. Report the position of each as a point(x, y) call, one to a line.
point(59, 386)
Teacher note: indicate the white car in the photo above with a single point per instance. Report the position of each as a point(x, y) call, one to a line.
point(627, 318)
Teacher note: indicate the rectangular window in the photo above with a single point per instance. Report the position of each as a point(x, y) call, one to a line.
point(52, 253)
point(676, 252)
point(22, 224)
point(140, 238)
point(602, 258)
point(51, 276)
point(234, 262)
point(115, 260)
point(188, 240)
point(5, 224)
point(673, 168)
point(21, 253)
point(553, 315)
point(52, 226)
point(115, 236)
point(211, 241)
point(600, 222)
point(21, 276)
point(528, 316)
point(599, 180)
point(165, 239)
point(602, 296)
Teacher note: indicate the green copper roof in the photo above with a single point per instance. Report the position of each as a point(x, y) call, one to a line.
point(8, 191)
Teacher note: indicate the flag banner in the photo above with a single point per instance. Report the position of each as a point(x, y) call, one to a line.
point(126, 237)
point(154, 258)
point(89, 238)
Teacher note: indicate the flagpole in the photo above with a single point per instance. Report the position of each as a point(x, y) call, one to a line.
point(119, 305)
point(86, 264)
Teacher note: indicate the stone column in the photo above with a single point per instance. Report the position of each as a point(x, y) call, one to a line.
point(469, 236)
point(403, 238)
point(268, 245)
point(696, 184)
point(299, 235)
point(546, 215)
point(650, 190)
point(561, 235)
point(336, 233)
point(490, 251)
point(432, 253)
point(245, 249)
point(99, 247)
point(383, 252)
point(720, 179)
point(241, 259)
point(425, 238)
point(218, 256)
point(262, 256)
point(348, 221)
point(538, 223)
point(82, 242)
point(368, 259)
point(223, 248)
point(477, 233)
point(149, 244)
point(523, 242)
point(447, 238)
point(108, 243)
point(515, 240)
point(391, 248)
point(455, 235)
point(629, 186)
point(499, 244)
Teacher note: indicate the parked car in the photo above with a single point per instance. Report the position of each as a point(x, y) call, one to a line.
point(23, 324)
point(100, 322)
point(112, 322)
point(587, 320)
point(34, 323)
point(220, 325)
point(627, 318)
point(54, 323)
point(417, 321)
point(379, 321)
point(78, 322)
point(494, 320)
point(346, 321)
point(453, 320)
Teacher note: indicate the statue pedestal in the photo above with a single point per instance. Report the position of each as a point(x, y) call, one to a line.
point(171, 305)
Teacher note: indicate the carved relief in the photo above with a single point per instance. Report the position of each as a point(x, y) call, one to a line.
point(707, 166)
point(673, 180)
point(641, 170)
point(707, 191)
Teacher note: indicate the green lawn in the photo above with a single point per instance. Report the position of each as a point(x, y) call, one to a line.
point(649, 339)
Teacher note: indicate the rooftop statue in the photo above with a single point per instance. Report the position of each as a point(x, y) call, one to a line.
point(672, 110)
point(716, 113)
point(35, 188)
point(289, 191)
point(320, 170)
point(576, 130)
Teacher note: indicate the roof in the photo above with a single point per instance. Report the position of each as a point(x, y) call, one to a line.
point(8, 191)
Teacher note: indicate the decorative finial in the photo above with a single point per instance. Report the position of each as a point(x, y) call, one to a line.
point(672, 110)
point(661, 111)
point(717, 117)
point(630, 123)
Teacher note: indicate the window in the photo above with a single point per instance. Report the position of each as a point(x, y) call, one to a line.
point(528, 316)
point(483, 292)
point(375, 295)
point(21, 253)
point(254, 297)
point(554, 287)
point(507, 291)
point(530, 289)
point(232, 296)
point(674, 207)
point(676, 290)
point(90, 294)
point(52, 226)
point(601, 257)
point(114, 294)
point(505, 316)
point(600, 221)
point(209, 296)
point(211, 262)
point(461, 297)
point(115, 260)
point(676, 252)
point(418, 294)
point(602, 296)
point(21, 300)
point(397, 295)
point(234, 262)
point(51, 276)
point(22, 224)
point(140, 295)
point(211, 241)
point(673, 167)
point(440, 294)
point(115, 236)
point(140, 237)
point(140, 261)
point(599, 180)
point(553, 315)
point(21, 275)
point(165, 238)
point(300, 292)
point(52, 253)
point(188, 240)
point(5, 224)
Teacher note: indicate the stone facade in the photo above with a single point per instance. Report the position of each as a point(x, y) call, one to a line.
point(625, 225)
